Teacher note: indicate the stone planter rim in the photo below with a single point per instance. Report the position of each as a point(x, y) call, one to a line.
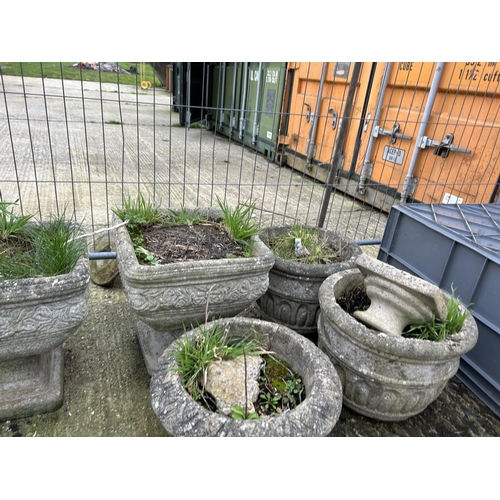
point(316, 271)
point(316, 406)
point(390, 345)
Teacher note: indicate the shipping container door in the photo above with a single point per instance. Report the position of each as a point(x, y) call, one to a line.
point(313, 111)
point(226, 81)
point(193, 92)
point(262, 97)
point(436, 139)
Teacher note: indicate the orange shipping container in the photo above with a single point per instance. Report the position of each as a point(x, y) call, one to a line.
point(419, 131)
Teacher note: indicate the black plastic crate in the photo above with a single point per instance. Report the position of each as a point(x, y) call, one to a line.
point(456, 245)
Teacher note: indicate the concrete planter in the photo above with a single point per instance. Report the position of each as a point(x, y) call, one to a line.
point(181, 415)
point(36, 316)
point(292, 296)
point(384, 376)
point(166, 298)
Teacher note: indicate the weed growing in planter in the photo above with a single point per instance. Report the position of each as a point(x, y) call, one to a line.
point(140, 214)
point(34, 250)
point(354, 300)
point(194, 354)
point(238, 413)
point(240, 224)
point(438, 330)
point(280, 389)
point(320, 252)
point(11, 224)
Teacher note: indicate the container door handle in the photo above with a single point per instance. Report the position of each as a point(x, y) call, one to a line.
point(308, 113)
point(443, 147)
point(394, 133)
point(334, 117)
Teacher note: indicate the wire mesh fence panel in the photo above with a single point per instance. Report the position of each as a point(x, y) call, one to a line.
point(275, 134)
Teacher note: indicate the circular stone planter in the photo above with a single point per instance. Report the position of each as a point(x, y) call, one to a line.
point(385, 377)
point(181, 415)
point(168, 297)
point(36, 316)
point(292, 296)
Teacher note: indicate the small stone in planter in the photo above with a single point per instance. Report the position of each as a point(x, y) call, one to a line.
point(226, 382)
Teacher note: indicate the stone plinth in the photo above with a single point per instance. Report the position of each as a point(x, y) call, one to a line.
point(398, 299)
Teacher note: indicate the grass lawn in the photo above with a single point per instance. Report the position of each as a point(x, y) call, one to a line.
point(65, 71)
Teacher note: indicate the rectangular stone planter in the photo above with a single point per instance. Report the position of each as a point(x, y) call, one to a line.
point(169, 297)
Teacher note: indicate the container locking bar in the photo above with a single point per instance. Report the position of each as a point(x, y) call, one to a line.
point(394, 133)
point(443, 147)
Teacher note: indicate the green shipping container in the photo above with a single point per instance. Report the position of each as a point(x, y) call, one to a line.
point(246, 103)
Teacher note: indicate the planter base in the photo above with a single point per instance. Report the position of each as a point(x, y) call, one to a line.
point(153, 344)
point(31, 385)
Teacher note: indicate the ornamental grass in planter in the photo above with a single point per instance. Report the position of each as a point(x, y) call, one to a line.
point(182, 415)
point(44, 279)
point(294, 280)
point(215, 257)
point(391, 375)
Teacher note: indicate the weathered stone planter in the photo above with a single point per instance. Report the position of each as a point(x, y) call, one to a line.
point(166, 298)
point(292, 296)
point(36, 316)
point(386, 377)
point(315, 416)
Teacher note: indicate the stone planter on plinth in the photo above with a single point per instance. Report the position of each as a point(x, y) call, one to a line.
point(384, 375)
point(168, 298)
point(181, 415)
point(36, 316)
point(292, 296)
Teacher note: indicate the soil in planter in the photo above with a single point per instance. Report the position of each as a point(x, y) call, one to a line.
point(280, 389)
point(354, 300)
point(184, 243)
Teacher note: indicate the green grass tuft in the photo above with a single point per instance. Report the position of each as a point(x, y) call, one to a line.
point(36, 250)
point(437, 329)
point(320, 252)
point(194, 354)
point(138, 214)
point(240, 223)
